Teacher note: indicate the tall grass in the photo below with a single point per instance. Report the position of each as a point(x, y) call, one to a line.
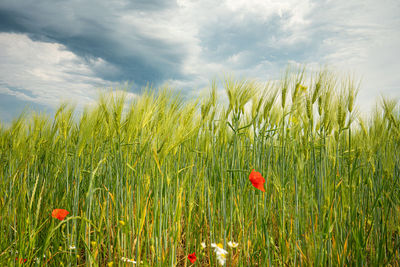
point(152, 180)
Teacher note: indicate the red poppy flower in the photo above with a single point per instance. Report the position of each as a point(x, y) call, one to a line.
point(21, 260)
point(59, 214)
point(257, 180)
point(192, 257)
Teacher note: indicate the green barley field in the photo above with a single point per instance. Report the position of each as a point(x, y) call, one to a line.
point(151, 181)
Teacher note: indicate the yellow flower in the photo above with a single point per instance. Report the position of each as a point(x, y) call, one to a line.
point(110, 264)
point(122, 223)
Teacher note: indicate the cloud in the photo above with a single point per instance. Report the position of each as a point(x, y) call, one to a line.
point(146, 41)
point(237, 38)
point(185, 43)
point(361, 38)
point(121, 33)
point(46, 73)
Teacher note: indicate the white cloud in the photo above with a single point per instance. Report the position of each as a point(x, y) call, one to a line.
point(364, 39)
point(4, 90)
point(351, 37)
point(193, 19)
point(46, 73)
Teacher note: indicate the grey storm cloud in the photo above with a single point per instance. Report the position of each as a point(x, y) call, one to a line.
point(121, 33)
point(92, 29)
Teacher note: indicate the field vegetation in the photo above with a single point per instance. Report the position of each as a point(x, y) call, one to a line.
point(159, 178)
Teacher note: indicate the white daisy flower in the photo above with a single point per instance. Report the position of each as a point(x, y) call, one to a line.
point(131, 261)
point(232, 244)
point(220, 252)
point(221, 259)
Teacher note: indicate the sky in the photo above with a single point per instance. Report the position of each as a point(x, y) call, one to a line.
point(57, 50)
